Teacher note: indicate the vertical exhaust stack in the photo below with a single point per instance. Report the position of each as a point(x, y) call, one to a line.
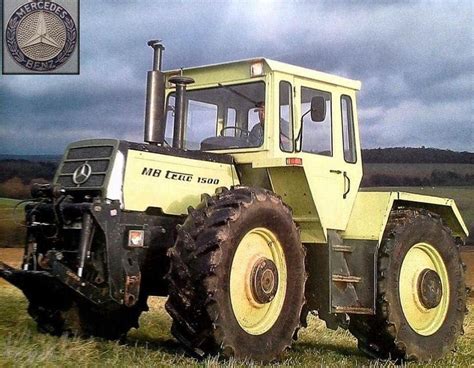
point(155, 123)
point(180, 109)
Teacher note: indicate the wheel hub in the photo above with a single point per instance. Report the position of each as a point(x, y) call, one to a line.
point(258, 281)
point(264, 280)
point(430, 288)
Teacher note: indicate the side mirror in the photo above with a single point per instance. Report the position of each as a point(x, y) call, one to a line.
point(318, 108)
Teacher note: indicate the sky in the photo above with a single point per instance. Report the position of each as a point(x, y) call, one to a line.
point(415, 60)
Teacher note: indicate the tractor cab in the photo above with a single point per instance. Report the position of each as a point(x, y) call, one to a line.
point(273, 118)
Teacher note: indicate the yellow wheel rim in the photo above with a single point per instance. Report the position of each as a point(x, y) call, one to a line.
point(422, 319)
point(253, 315)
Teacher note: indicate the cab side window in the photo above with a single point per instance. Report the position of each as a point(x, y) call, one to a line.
point(348, 130)
point(286, 114)
point(317, 136)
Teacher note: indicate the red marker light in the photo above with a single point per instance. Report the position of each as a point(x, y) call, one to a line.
point(294, 161)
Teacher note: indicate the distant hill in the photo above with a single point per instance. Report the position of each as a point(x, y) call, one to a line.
point(392, 155)
point(26, 170)
point(409, 155)
point(17, 176)
point(400, 166)
point(33, 158)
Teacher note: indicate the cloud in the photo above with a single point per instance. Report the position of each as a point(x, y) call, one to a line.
point(414, 59)
point(415, 123)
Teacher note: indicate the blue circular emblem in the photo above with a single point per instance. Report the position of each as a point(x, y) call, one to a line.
point(41, 35)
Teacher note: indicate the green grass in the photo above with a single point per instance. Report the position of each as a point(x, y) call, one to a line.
point(12, 233)
point(153, 346)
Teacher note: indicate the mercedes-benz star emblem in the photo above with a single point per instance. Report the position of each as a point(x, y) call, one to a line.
point(41, 35)
point(81, 174)
point(42, 38)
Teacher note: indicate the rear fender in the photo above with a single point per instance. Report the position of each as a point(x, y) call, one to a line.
point(372, 210)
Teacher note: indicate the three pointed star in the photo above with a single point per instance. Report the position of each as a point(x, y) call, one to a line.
point(41, 35)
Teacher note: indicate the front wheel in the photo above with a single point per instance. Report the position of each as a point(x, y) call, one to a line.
point(237, 276)
point(421, 292)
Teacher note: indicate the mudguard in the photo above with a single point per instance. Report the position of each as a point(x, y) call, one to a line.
point(371, 211)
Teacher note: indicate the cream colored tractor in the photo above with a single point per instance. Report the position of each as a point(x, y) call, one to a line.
point(244, 209)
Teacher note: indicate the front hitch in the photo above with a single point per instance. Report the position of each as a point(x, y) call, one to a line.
point(53, 287)
point(39, 287)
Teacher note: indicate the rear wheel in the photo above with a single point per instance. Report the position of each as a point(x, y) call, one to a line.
point(421, 293)
point(237, 276)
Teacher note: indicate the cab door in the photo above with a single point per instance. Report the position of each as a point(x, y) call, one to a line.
point(332, 179)
point(349, 162)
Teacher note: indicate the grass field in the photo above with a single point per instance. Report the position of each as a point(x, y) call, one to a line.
point(417, 170)
point(153, 346)
point(12, 233)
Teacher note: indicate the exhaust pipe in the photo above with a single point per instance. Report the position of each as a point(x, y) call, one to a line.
point(180, 108)
point(155, 123)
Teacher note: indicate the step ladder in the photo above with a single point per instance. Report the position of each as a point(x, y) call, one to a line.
point(344, 282)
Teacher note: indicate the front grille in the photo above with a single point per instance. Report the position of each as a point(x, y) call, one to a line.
point(95, 163)
point(97, 166)
point(88, 152)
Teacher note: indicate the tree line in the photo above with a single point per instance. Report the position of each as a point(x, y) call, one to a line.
point(409, 155)
point(17, 175)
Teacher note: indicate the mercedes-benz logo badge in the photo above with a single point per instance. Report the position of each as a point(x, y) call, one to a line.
point(81, 174)
point(41, 35)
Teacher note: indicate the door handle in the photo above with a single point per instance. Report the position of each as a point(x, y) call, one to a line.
point(348, 185)
point(346, 179)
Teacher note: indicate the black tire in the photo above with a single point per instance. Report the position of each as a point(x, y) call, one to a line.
point(200, 300)
point(82, 318)
point(397, 333)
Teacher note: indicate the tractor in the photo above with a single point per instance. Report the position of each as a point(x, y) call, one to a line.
point(243, 208)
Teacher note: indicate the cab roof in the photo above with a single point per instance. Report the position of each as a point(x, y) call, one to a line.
point(276, 66)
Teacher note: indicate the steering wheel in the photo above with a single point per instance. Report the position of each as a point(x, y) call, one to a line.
point(242, 130)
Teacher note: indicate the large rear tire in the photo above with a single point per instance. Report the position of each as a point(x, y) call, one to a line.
point(421, 292)
point(237, 276)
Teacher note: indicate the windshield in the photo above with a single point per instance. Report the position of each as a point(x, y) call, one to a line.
point(223, 117)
